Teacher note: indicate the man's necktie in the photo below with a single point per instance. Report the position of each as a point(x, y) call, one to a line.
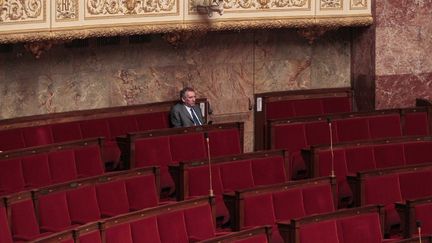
point(194, 117)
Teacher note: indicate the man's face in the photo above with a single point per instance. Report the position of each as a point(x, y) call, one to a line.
point(189, 99)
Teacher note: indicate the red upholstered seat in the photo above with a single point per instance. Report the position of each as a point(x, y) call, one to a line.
point(307, 107)
point(54, 212)
point(88, 161)
point(318, 199)
point(39, 135)
point(11, 139)
point(11, 176)
point(385, 126)
point(319, 133)
point(423, 213)
point(418, 153)
point(155, 151)
point(62, 165)
point(352, 129)
point(95, 128)
point(83, 205)
point(5, 234)
point(415, 184)
point(157, 120)
point(66, 132)
point(416, 123)
point(258, 210)
point(389, 155)
point(199, 222)
point(279, 109)
point(142, 192)
point(323, 232)
point(172, 227)
point(266, 171)
point(121, 125)
point(296, 140)
point(23, 220)
point(336, 104)
point(359, 159)
point(293, 198)
point(92, 237)
point(361, 229)
point(189, 146)
point(237, 175)
point(145, 230)
point(224, 142)
point(112, 198)
point(119, 234)
point(36, 170)
point(253, 239)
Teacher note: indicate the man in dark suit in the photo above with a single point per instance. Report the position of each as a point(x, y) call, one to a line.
point(186, 113)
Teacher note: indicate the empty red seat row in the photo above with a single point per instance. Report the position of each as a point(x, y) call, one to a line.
point(296, 135)
point(270, 204)
point(170, 146)
point(289, 104)
point(30, 168)
point(66, 206)
point(357, 225)
point(229, 173)
point(350, 158)
point(414, 214)
point(389, 186)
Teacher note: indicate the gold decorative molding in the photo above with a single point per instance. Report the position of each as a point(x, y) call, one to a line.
point(18, 11)
point(331, 4)
point(110, 8)
point(66, 10)
point(358, 4)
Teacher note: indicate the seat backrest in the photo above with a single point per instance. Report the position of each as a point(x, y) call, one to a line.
point(5, 234)
point(258, 210)
point(389, 155)
point(224, 142)
point(68, 131)
point(382, 189)
point(142, 192)
point(157, 120)
point(145, 230)
point(415, 184)
point(53, 212)
point(237, 175)
point(323, 232)
point(121, 125)
point(38, 135)
point(62, 165)
point(423, 213)
point(95, 128)
point(23, 219)
point(198, 180)
point(293, 198)
point(36, 170)
point(418, 153)
point(120, 233)
point(270, 170)
point(83, 205)
point(291, 137)
point(112, 198)
point(153, 151)
point(352, 129)
point(361, 228)
point(11, 139)
point(318, 199)
point(172, 227)
point(88, 161)
point(186, 147)
point(385, 126)
point(11, 176)
point(360, 158)
point(416, 123)
point(199, 222)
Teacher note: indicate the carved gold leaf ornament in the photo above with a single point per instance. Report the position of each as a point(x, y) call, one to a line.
point(127, 7)
point(66, 10)
point(20, 10)
point(331, 3)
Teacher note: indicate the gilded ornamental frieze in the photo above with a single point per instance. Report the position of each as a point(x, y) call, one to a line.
point(19, 11)
point(45, 20)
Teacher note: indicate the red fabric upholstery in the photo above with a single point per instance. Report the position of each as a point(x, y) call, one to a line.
point(416, 184)
point(199, 180)
point(111, 152)
point(361, 158)
point(237, 175)
point(323, 232)
point(382, 190)
point(122, 125)
point(172, 227)
point(389, 155)
point(268, 171)
point(307, 107)
point(294, 199)
point(155, 151)
point(11, 139)
point(157, 120)
point(318, 199)
point(258, 210)
point(145, 230)
point(352, 129)
point(119, 234)
point(62, 165)
point(254, 239)
point(199, 222)
point(418, 153)
point(416, 123)
point(423, 213)
point(112, 198)
point(88, 161)
point(279, 109)
point(83, 205)
point(36, 170)
point(319, 133)
point(341, 171)
point(11, 176)
point(385, 126)
point(66, 132)
point(92, 237)
point(188, 147)
point(23, 220)
point(5, 234)
point(224, 142)
point(95, 128)
point(54, 212)
point(141, 192)
point(336, 105)
point(39, 135)
point(294, 142)
point(361, 229)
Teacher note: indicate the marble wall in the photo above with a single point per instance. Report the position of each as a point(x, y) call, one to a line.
point(226, 67)
point(403, 52)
